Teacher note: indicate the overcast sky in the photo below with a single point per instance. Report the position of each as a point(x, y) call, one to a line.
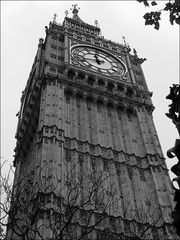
point(23, 23)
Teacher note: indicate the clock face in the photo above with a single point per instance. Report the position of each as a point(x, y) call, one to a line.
point(98, 60)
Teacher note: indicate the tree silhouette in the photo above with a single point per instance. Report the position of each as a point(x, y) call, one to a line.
point(79, 205)
point(154, 17)
point(79, 208)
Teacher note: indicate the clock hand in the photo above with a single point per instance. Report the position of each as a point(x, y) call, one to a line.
point(96, 57)
point(97, 60)
point(93, 60)
point(101, 61)
point(90, 59)
point(82, 59)
point(85, 59)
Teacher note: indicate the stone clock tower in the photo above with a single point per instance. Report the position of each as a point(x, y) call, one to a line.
point(88, 160)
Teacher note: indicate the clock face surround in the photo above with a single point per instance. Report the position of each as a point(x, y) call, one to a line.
point(98, 60)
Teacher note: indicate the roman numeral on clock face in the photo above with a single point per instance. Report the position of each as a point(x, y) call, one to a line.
point(98, 60)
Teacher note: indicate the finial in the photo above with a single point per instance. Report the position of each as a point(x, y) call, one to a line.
point(134, 51)
point(66, 13)
point(124, 39)
point(41, 40)
point(54, 17)
point(96, 23)
point(75, 10)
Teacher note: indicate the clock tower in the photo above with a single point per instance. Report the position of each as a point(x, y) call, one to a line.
point(86, 120)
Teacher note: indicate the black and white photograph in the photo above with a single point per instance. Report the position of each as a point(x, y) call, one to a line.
point(90, 120)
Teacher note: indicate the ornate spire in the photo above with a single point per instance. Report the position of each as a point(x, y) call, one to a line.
point(75, 11)
point(54, 17)
point(69, 22)
point(124, 40)
point(134, 51)
point(96, 23)
point(66, 13)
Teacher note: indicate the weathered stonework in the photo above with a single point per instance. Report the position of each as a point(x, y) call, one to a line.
point(74, 115)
